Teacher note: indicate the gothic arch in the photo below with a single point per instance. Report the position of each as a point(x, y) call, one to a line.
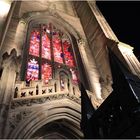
point(61, 70)
point(33, 18)
point(64, 129)
point(51, 16)
point(41, 116)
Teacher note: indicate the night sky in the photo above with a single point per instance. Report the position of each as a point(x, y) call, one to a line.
point(124, 19)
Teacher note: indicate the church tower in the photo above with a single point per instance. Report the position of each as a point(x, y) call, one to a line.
point(47, 48)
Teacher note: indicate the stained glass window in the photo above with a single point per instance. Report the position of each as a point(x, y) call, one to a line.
point(34, 43)
point(32, 69)
point(47, 46)
point(69, 60)
point(46, 72)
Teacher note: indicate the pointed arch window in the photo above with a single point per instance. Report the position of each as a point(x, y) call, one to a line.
point(49, 49)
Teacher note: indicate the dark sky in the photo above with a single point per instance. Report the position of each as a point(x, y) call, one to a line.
point(124, 19)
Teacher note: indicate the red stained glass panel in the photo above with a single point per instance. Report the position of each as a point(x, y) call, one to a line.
point(69, 60)
point(62, 50)
point(46, 72)
point(46, 51)
point(32, 70)
point(34, 43)
point(57, 50)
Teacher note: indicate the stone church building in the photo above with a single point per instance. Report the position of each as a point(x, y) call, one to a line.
point(46, 49)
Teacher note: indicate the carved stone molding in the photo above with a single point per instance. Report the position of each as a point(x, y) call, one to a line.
point(30, 102)
point(11, 61)
point(19, 109)
point(49, 14)
point(16, 117)
point(81, 43)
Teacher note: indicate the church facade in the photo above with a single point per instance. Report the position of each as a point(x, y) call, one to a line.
point(47, 48)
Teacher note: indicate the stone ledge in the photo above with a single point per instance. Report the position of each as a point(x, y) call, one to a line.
point(40, 100)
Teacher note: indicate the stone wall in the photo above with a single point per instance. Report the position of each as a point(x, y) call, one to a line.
point(63, 6)
point(97, 41)
point(96, 37)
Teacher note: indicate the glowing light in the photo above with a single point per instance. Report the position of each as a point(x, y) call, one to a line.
point(58, 55)
point(4, 8)
point(48, 31)
point(46, 52)
point(32, 69)
point(33, 61)
point(69, 60)
point(46, 72)
point(34, 43)
point(53, 44)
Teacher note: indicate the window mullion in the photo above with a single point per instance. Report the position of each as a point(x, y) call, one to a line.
point(52, 53)
point(26, 56)
point(40, 54)
point(62, 49)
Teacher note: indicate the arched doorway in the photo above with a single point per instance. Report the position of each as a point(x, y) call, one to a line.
point(62, 113)
point(59, 129)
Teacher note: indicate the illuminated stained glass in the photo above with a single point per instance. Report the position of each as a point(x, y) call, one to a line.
point(46, 72)
point(46, 51)
point(34, 43)
point(51, 40)
point(57, 50)
point(32, 69)
point(74, 76)
point(69, 60)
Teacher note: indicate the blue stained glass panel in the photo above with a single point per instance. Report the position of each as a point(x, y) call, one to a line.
point(32, 69)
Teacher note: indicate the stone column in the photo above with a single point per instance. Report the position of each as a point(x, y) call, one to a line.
point(58, 85)
point(90, 67)
point(128, 62)
point(131, 60)
point(7, 22)
point(7, 91)
point(135, 63)
point(132, 63)
point(65, 84)
point(102, 21)
point(70, 86)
